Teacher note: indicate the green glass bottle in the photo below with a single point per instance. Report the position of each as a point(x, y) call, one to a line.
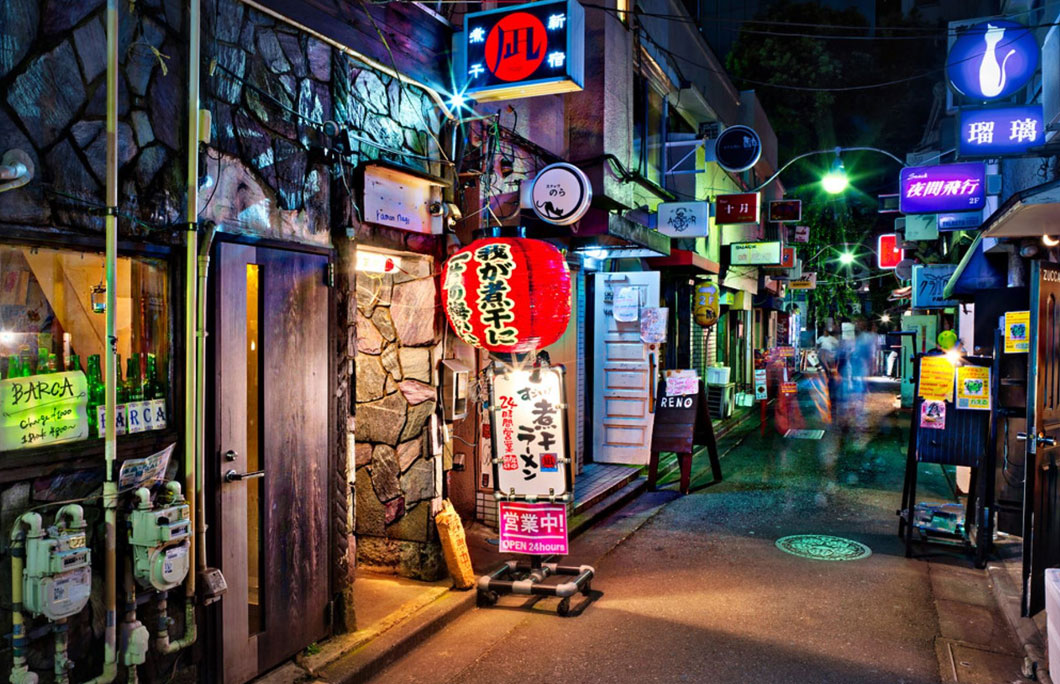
point(53, 363)
point(42, 360)
point(96, 391)
point(14, 366)
point(27, 360)
point(152, 386)
point(134, 388)
point(119, 384)
point(74, 363)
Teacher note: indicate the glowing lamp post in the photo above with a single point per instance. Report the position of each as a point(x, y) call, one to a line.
point(507, 295)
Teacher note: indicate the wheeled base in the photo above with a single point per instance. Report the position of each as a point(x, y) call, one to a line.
point(527, 577)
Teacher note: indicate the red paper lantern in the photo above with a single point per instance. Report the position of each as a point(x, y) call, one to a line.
point(507, 294)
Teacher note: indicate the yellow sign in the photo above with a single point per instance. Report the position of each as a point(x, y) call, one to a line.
point(973, 387)
point(707, 305)
point(43, 409)
point(1017, 332)
point(936, 378)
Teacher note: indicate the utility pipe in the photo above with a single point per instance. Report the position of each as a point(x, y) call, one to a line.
point(61, 666)
point(20, 673)
point(110, 485)
point(200, 392)
point(131, 674)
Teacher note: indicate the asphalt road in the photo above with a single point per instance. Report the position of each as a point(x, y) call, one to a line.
point(701, 593)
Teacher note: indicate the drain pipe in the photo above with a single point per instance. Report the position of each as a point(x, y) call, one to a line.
point(20, 673)
point(110, 486)
point(200, 393)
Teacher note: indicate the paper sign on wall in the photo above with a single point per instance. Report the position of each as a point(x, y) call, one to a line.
point(138, 472)
point(973, 387)
point(682, 383)
point(936, 378)
point(933, 415)
point(653, 324)
point(43, 409)
point(627, 305)
point(1017, 332)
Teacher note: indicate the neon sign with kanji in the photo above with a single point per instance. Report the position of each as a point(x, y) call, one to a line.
point(524, 50)
point(942, 188)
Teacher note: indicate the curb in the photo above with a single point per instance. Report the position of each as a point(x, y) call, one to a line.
point(1027, 633)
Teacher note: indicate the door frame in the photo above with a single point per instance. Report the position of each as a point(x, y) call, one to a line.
point(211, 620)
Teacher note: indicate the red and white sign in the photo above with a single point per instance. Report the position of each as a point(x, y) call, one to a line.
point(533, 528)
point(787, 257)
point(887, 252)
point(741, 208)
point(789, 388)
point(800, 234)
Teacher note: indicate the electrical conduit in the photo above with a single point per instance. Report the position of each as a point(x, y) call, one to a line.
point(20, 673)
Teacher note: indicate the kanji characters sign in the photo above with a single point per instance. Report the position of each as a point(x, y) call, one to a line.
point(1000, 131)
point(523, 50)
point(527, 409)
point(943, 188)
point(533, 528)
point(740, 208)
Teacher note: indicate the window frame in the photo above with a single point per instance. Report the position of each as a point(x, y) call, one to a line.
point(43, 461)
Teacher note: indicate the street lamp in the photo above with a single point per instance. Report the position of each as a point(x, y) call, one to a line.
point(835, 181)
point(846, 258)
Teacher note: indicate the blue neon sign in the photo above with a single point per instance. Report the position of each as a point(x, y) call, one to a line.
point(1000, 131)
point(992, 59)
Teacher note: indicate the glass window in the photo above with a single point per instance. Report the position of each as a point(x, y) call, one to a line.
point(648, 133)
point(52, 322)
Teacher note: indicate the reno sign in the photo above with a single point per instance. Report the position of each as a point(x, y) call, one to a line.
point(942, 188)
point(992, 59)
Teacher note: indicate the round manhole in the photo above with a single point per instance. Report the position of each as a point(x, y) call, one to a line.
point(823, 547)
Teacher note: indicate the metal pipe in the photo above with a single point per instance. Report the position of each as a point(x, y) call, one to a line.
point(20, 673)
point(110, 486)
point(61, 665)
point(200, 393)
point(131, 675)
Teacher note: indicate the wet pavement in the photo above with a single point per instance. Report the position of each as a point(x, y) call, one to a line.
point(697, 589)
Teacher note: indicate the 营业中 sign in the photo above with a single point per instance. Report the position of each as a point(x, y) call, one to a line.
point(942, 188)
point(529, 429)
point(43, 409)
point(523, 50)
point(533, 528)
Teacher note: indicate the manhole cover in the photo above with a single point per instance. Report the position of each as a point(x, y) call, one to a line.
point(823, 547)
point(804, 434)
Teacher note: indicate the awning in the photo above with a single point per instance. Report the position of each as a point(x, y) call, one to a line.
point(603, 235)
point(1029, 213)
point(685, 261)
point(975, 272)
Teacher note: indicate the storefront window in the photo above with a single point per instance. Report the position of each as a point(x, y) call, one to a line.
point(52, 337)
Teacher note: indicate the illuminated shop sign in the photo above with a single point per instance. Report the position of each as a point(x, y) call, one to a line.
point(992, 59)
point(740, 208)
point(523, 50)
point(1000, 131)
point(756, 253)
point(943, 188)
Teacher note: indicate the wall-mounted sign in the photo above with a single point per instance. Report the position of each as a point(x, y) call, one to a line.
point(523, 50)
point(965, 220)
point(936, 378)
point(43, 409)
point(1017, 332)
point(741, 208)
point(133, 417)
point(755, 253)
point(787, 257)
point(887, 204)
point(707, 305)
point(738, 148)
point(921, 227)
point(376, 262)
point(928, 283)
point(529, 431)
point(973, 387)
point(561, 194)
point(807, 282)
point(683, 219)
point(534, 528)
point(653, 321)
point(800, 233)
point(626, 308)
point(785, 211)
point(887, 252)
point(401, 200)
point(992, 59)
point(761, 388)
point(943, 188)
point(1000, 131)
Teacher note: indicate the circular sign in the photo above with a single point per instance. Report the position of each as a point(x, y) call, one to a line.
point(738, 148)
point(511, 53)
point(992, 59)
point(904, 269)
point(561, 194)
point(823, 547)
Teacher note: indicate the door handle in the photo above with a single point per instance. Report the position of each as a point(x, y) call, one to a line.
point(1040, 440)
point(233, 476)
point(651, 382)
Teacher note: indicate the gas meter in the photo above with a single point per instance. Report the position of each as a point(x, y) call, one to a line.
point(57, 580)
point(160, 538)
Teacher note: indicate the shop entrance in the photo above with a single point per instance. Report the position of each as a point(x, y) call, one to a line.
point(1041, 523)
point(271, 458)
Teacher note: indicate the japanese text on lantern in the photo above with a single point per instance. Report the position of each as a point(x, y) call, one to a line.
point(459, 313)
point(495, 266)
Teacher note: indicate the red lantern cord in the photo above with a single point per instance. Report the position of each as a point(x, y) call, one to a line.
point(507, 295)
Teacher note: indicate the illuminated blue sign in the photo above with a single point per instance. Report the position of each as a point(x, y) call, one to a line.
point(1001, 131)
point(942, 188)
point(992, 59)
point(965, 220)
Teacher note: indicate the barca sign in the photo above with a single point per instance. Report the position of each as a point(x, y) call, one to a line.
point(1000, 131)
point(523, 50)
point(942, 188)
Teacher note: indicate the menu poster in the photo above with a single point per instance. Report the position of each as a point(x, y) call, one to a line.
point(936, 378)
point(973, 388)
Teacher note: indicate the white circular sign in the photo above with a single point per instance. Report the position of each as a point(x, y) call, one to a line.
point(561, 194)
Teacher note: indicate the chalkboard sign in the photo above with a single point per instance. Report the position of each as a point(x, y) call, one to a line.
point(681, 422)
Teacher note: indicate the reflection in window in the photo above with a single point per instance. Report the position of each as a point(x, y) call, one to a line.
point(49, 324)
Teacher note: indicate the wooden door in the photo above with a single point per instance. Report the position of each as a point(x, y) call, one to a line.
point(624, 373)
point(1041, 532)
point(270, 346)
